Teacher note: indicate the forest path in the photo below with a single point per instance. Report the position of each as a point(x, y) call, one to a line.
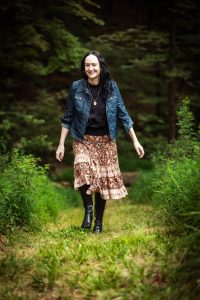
point(129, 260)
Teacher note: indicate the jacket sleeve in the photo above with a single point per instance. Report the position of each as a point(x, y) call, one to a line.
point(122, 112)
point(67, 119)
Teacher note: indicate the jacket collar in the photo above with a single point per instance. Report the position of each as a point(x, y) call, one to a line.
point(83, 87)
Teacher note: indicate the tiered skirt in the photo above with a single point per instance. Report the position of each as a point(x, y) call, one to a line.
point(96, 164)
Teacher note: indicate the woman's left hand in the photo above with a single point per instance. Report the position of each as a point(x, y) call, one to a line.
point(139, 149)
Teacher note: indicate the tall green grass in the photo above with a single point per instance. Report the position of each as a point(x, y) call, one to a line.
point(173, 187)
point(176, 188)
point(128, 260)
point(27, 197)
point(177, 192)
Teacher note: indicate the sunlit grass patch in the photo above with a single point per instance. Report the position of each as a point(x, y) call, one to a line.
point(129, 260)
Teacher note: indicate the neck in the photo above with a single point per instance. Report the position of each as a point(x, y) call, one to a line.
point(94, 81)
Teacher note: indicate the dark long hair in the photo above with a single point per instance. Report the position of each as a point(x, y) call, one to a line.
point(104, 74)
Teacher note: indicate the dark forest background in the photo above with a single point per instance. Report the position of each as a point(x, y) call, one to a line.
point(152, 48)
point(153, 52)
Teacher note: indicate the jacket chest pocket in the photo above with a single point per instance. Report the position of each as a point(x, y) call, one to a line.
point(112, 103)
point(79, 102)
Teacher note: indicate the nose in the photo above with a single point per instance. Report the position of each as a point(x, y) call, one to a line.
point(90, 67)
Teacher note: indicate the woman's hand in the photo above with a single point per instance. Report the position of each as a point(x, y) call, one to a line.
point(60, 152)
point(139, 149)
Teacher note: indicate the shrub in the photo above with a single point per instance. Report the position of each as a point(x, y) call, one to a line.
point(173, 183)
point(173, 187)
point(177, 193)
point(27, 197)
point(176, 187)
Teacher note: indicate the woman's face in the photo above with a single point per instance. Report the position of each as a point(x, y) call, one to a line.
point(92, 67)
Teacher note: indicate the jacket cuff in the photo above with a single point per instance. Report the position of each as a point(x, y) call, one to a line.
point(65, 125)
point(129, 125)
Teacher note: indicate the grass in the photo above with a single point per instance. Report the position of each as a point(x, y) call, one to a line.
point(131, 259)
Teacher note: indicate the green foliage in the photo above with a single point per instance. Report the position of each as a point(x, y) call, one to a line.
point(45, 275)
point(176, 187)
point(41, 41)
point(124, 261)
point(38, 117)
point(188, 270)
point(66, 175)
point(173, 187)
point(148, 60)
point(27, 197)
point(173, 184)
point(142, 190)
point(11, 267)
point(128, 158)
point(67, 52)
point(178, 194)
point(18, 125)
point(186, 120)
point(138, 65)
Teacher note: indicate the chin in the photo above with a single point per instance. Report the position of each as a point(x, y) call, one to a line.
point(93, 77)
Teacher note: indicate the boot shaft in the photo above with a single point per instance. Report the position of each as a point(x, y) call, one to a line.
point(100, 204)
point(88, 205)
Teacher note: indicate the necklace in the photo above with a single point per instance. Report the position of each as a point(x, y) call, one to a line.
point(94, 99)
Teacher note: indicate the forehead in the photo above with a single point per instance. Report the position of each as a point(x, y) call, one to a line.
point(91, 59)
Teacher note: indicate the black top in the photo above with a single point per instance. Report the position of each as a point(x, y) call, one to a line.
point(97, 122)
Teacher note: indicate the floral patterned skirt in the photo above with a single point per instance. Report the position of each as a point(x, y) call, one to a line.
point(96, 164)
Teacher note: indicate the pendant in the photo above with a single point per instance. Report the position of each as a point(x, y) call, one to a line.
point(95, 103)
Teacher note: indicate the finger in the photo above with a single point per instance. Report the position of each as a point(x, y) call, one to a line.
point(141, 152)
point(62, 154)
point(58, 156)
point(138, 151)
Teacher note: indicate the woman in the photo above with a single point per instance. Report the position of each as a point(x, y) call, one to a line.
point(93, 107)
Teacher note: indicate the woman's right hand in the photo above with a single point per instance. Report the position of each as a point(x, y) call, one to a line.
point(60, 152)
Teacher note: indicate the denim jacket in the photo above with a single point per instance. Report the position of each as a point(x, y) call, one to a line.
point(78, 107)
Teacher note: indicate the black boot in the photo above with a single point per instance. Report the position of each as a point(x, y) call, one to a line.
point(99, 211)
point(88, 204)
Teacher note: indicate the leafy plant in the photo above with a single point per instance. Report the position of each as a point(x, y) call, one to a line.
point(27, 197)
point(173, 187)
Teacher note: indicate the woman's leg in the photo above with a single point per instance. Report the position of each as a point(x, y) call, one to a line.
point(99, 211)
point(88, 204)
